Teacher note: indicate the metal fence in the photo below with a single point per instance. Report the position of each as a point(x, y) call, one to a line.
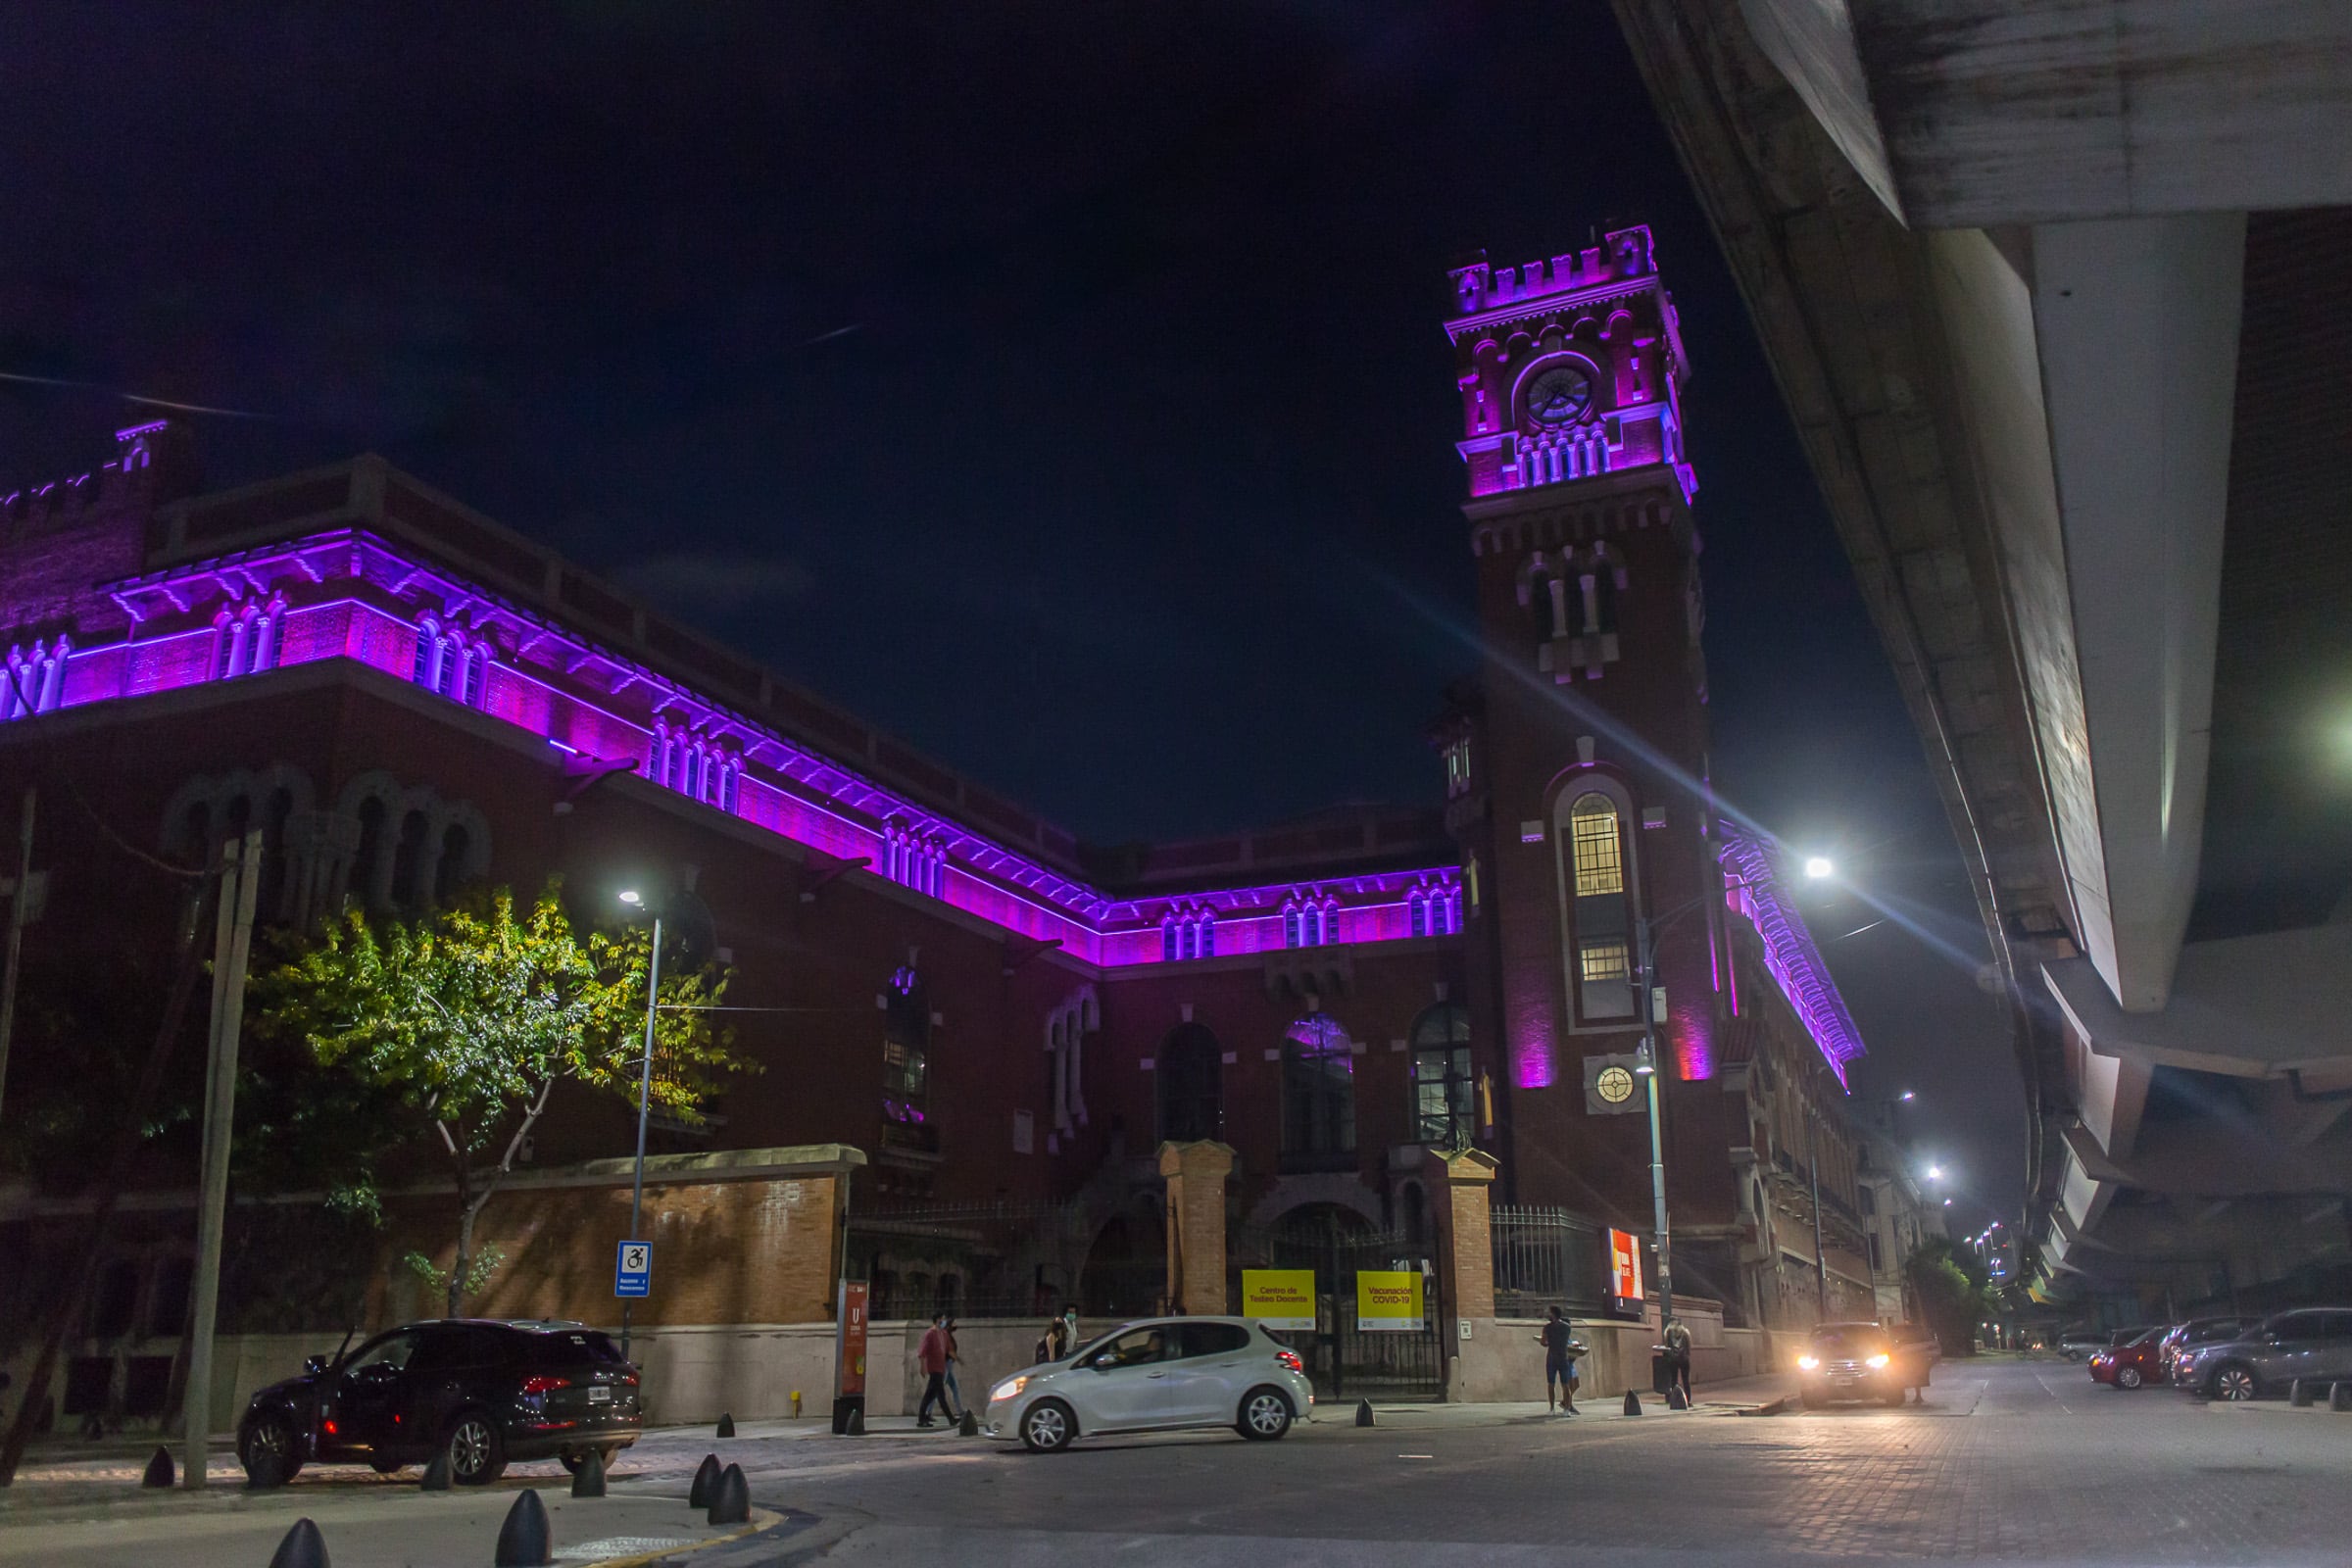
point(1545, 1257)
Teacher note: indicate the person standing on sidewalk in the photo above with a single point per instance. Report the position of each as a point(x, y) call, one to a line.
point(1559, 1364)
point(932, 1356)
point(955, 1400)
point(1678, 1356)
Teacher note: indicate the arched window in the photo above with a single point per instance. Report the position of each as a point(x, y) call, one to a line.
point(424, 670)
point(450, 871)
point(906, 1065)
point(1167, 938)
point(1191, 1090)
point(1598, 913)
point(1444, 1098)
point(409, 861)
point(1318, 1095)
point(366, 861)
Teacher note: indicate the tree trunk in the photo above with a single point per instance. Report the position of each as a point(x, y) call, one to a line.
point(92, 1244)
point(467, 1209)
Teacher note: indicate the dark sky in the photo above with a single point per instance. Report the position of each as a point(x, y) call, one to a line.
point(1059, 386)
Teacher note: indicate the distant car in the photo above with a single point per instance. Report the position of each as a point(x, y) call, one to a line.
point(483, 1392)
point(2075, 1344)
point(2312, 1343)
point(2183, 1337)
point(1857, 1362)
point(2133, 1365)
point(1157, 1375)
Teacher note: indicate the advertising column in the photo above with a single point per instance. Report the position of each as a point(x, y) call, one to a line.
point(849, 1355)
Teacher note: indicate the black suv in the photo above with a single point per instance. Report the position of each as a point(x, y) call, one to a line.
point(483, 1392)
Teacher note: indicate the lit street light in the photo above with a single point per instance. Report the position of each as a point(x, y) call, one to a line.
point(1820, 868)
point(1907, 1096)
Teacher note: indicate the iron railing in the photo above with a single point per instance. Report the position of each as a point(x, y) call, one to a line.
point(1546, 1258)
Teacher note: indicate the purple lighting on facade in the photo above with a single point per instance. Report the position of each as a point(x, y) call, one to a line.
point(347, 594)
point(1753, 890)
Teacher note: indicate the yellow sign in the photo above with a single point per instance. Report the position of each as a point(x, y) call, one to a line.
point(1388, 1299)
point(1279, 1297)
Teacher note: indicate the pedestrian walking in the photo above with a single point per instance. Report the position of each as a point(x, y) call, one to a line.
point(1060, 1337)
point(956, 1395)
point(1678, 1356)
point(1561, 1351)
point(932, 1354)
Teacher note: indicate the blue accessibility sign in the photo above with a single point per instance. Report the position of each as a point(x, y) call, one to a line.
point(633, 1269)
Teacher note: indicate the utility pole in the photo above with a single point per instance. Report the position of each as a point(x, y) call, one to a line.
point(644, 1099)
point(240, 891)
point(21, 899)
point(1647, 1066)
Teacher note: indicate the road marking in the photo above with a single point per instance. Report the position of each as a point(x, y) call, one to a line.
point(2053, 1394)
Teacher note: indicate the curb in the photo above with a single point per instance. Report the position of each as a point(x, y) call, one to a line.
point(763, 1519)
point(1777, 1406)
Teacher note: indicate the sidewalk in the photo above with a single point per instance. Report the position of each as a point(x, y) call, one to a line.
point(363, 1527)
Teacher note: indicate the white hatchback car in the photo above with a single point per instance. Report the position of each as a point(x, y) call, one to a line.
point(1159, 1375)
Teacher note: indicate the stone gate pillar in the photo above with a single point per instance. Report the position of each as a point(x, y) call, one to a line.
point(1457, 1183)
point(1196, 1176)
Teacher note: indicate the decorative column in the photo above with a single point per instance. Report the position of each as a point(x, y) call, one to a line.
point(1457, 1183)
point(1196, 1219)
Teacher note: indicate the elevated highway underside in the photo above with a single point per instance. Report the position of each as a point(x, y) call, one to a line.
point(2063, 333)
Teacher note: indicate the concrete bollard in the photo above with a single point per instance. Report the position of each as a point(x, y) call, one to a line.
point(726, 1425)
point(159, 1472)
point(1633, 1403)
point(2339, 1398)
point(2298, 1394)
point(730, 1498)
point(1363, 1413)
point(526, 1541)
point(1677, 1399)
point(969, 1426)
point(706, 1476)
point(436, 1473)
point(302, 1547)
point(589, 1480)
point(857, 1421)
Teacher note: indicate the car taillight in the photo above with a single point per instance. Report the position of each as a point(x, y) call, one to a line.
point(541, 1384)
point(629, 1378)
point(331, 1427)
point(1289, 1359)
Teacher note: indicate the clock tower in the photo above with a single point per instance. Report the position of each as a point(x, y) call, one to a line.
point(1577, 768)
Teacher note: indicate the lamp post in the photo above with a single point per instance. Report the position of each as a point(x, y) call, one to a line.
point(645, 1092)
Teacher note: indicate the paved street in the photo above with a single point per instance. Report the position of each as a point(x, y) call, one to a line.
point(2011, 1461)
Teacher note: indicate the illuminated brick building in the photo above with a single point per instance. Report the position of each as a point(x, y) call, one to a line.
point(405, 697)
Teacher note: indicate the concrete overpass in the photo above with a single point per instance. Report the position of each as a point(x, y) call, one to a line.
point(2059, 294)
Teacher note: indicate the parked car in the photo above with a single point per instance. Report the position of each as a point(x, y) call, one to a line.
point(2077, 1343)
point(1157, 1375)
point(2133, 1365)
point(483, 1392)
point(1857, 1362)
point(2183, 1337)
point(2314, 1343)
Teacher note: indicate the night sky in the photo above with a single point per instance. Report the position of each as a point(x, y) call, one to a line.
point(1060, 387)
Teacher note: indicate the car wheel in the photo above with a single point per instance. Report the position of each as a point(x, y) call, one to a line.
point(1266, 1415)
point(273, 1436)
point(1048, 1426)
point(2235, 1381)
point(2128, 1378)
point(477, 1454)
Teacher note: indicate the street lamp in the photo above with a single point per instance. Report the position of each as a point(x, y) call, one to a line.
point(1934, 1173)
point(1907, 1096)
point(1818, 868)
point(645, 1090)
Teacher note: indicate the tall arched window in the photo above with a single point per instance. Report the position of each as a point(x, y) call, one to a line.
point(1444, 1098)
point(1600, 916)
point(1192, 1086)
point(906, 1065)
point(1318, 1095)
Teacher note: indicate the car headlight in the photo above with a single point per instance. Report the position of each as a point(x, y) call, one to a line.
point(1880, 1359)
point(1010, 1389)
point(1808, 1362)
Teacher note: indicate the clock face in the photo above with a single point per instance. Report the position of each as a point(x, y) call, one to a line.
point(1614, 1085)
point(1561, 395)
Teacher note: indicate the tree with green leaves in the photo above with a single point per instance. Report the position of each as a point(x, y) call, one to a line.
point(1955, 1291)
point(473, 1014)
